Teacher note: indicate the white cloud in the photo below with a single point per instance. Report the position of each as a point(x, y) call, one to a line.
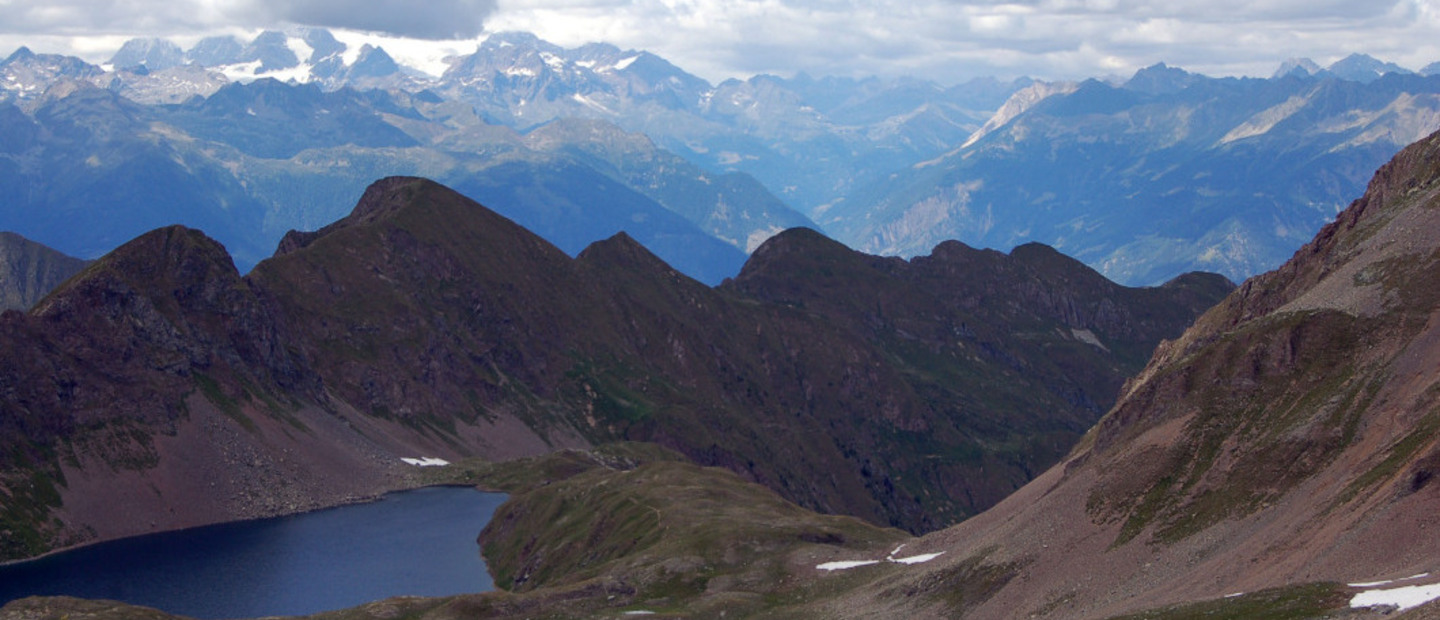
point(949, 40)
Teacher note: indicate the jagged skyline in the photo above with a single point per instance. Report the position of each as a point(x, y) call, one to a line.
point(946, 40)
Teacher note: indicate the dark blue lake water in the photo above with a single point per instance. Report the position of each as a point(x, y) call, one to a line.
point(419, 542)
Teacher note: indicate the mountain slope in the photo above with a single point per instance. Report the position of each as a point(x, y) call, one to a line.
point(647, 354)
point(1288, 438)
point(161, 390)
point(29, 270)
point(425, 324)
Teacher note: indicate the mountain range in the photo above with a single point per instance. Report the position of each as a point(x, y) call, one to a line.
point(254, 160)
point(1273, 461)
point(1142, 179)
point(807, 431)
point(1167, 171)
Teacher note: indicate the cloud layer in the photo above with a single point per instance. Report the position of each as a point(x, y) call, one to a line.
point(949, 40)
point(430, 19)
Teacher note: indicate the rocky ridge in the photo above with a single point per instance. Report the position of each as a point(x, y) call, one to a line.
point(1284, 444)
point(425, 324)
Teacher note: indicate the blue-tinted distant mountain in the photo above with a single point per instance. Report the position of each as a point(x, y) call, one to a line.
point(1160, 79)
point(845, 151)
point(152, 54)
point(97, 169)
point(809, 140)
point(255, 160)
point(322, 43)
point(373, 62)
point(1300, 67)
point(272, 50)
point(733, 207)
point(1364, 69)
point(25, 75)
point(29, 270)
point(1184, 173)
point(216, 51)
point(1355, 68)
point(276, 121)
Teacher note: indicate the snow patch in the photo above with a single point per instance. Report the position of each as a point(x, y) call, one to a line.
point(426, 461)
point(1401, 598)
point(557, 63)
point(917, 559)
point(300, 48)
point(1372, 584)
point(833, 566)
point(914, 559)
point(239, 71)
point(589, 103)
point(246, 72)
point(621, 64)
point(298, 74)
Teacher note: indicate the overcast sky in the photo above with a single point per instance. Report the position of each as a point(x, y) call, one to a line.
point(946, 40)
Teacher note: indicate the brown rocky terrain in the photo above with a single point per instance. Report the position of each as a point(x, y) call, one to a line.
point(1274, 461)
point(1287, 440)
point(161, 389)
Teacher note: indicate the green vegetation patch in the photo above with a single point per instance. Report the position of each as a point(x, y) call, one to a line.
point(1279, 399)
point(966, 585)
point(227, 405)
point(27, 495)
point(1312, 600)
point(663, 533)
point(1396, 457)
point(607, 389)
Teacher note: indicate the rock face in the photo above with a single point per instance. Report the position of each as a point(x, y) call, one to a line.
point(910, 394)
point(29, 270)
point(1287, 438)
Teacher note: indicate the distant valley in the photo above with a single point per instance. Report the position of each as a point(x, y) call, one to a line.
point(1142, 179)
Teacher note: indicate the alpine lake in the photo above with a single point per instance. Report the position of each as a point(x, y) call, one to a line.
point(419, 542)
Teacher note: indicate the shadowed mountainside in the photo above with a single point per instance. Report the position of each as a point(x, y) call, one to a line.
point(1284, 446)
point(424, 323)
